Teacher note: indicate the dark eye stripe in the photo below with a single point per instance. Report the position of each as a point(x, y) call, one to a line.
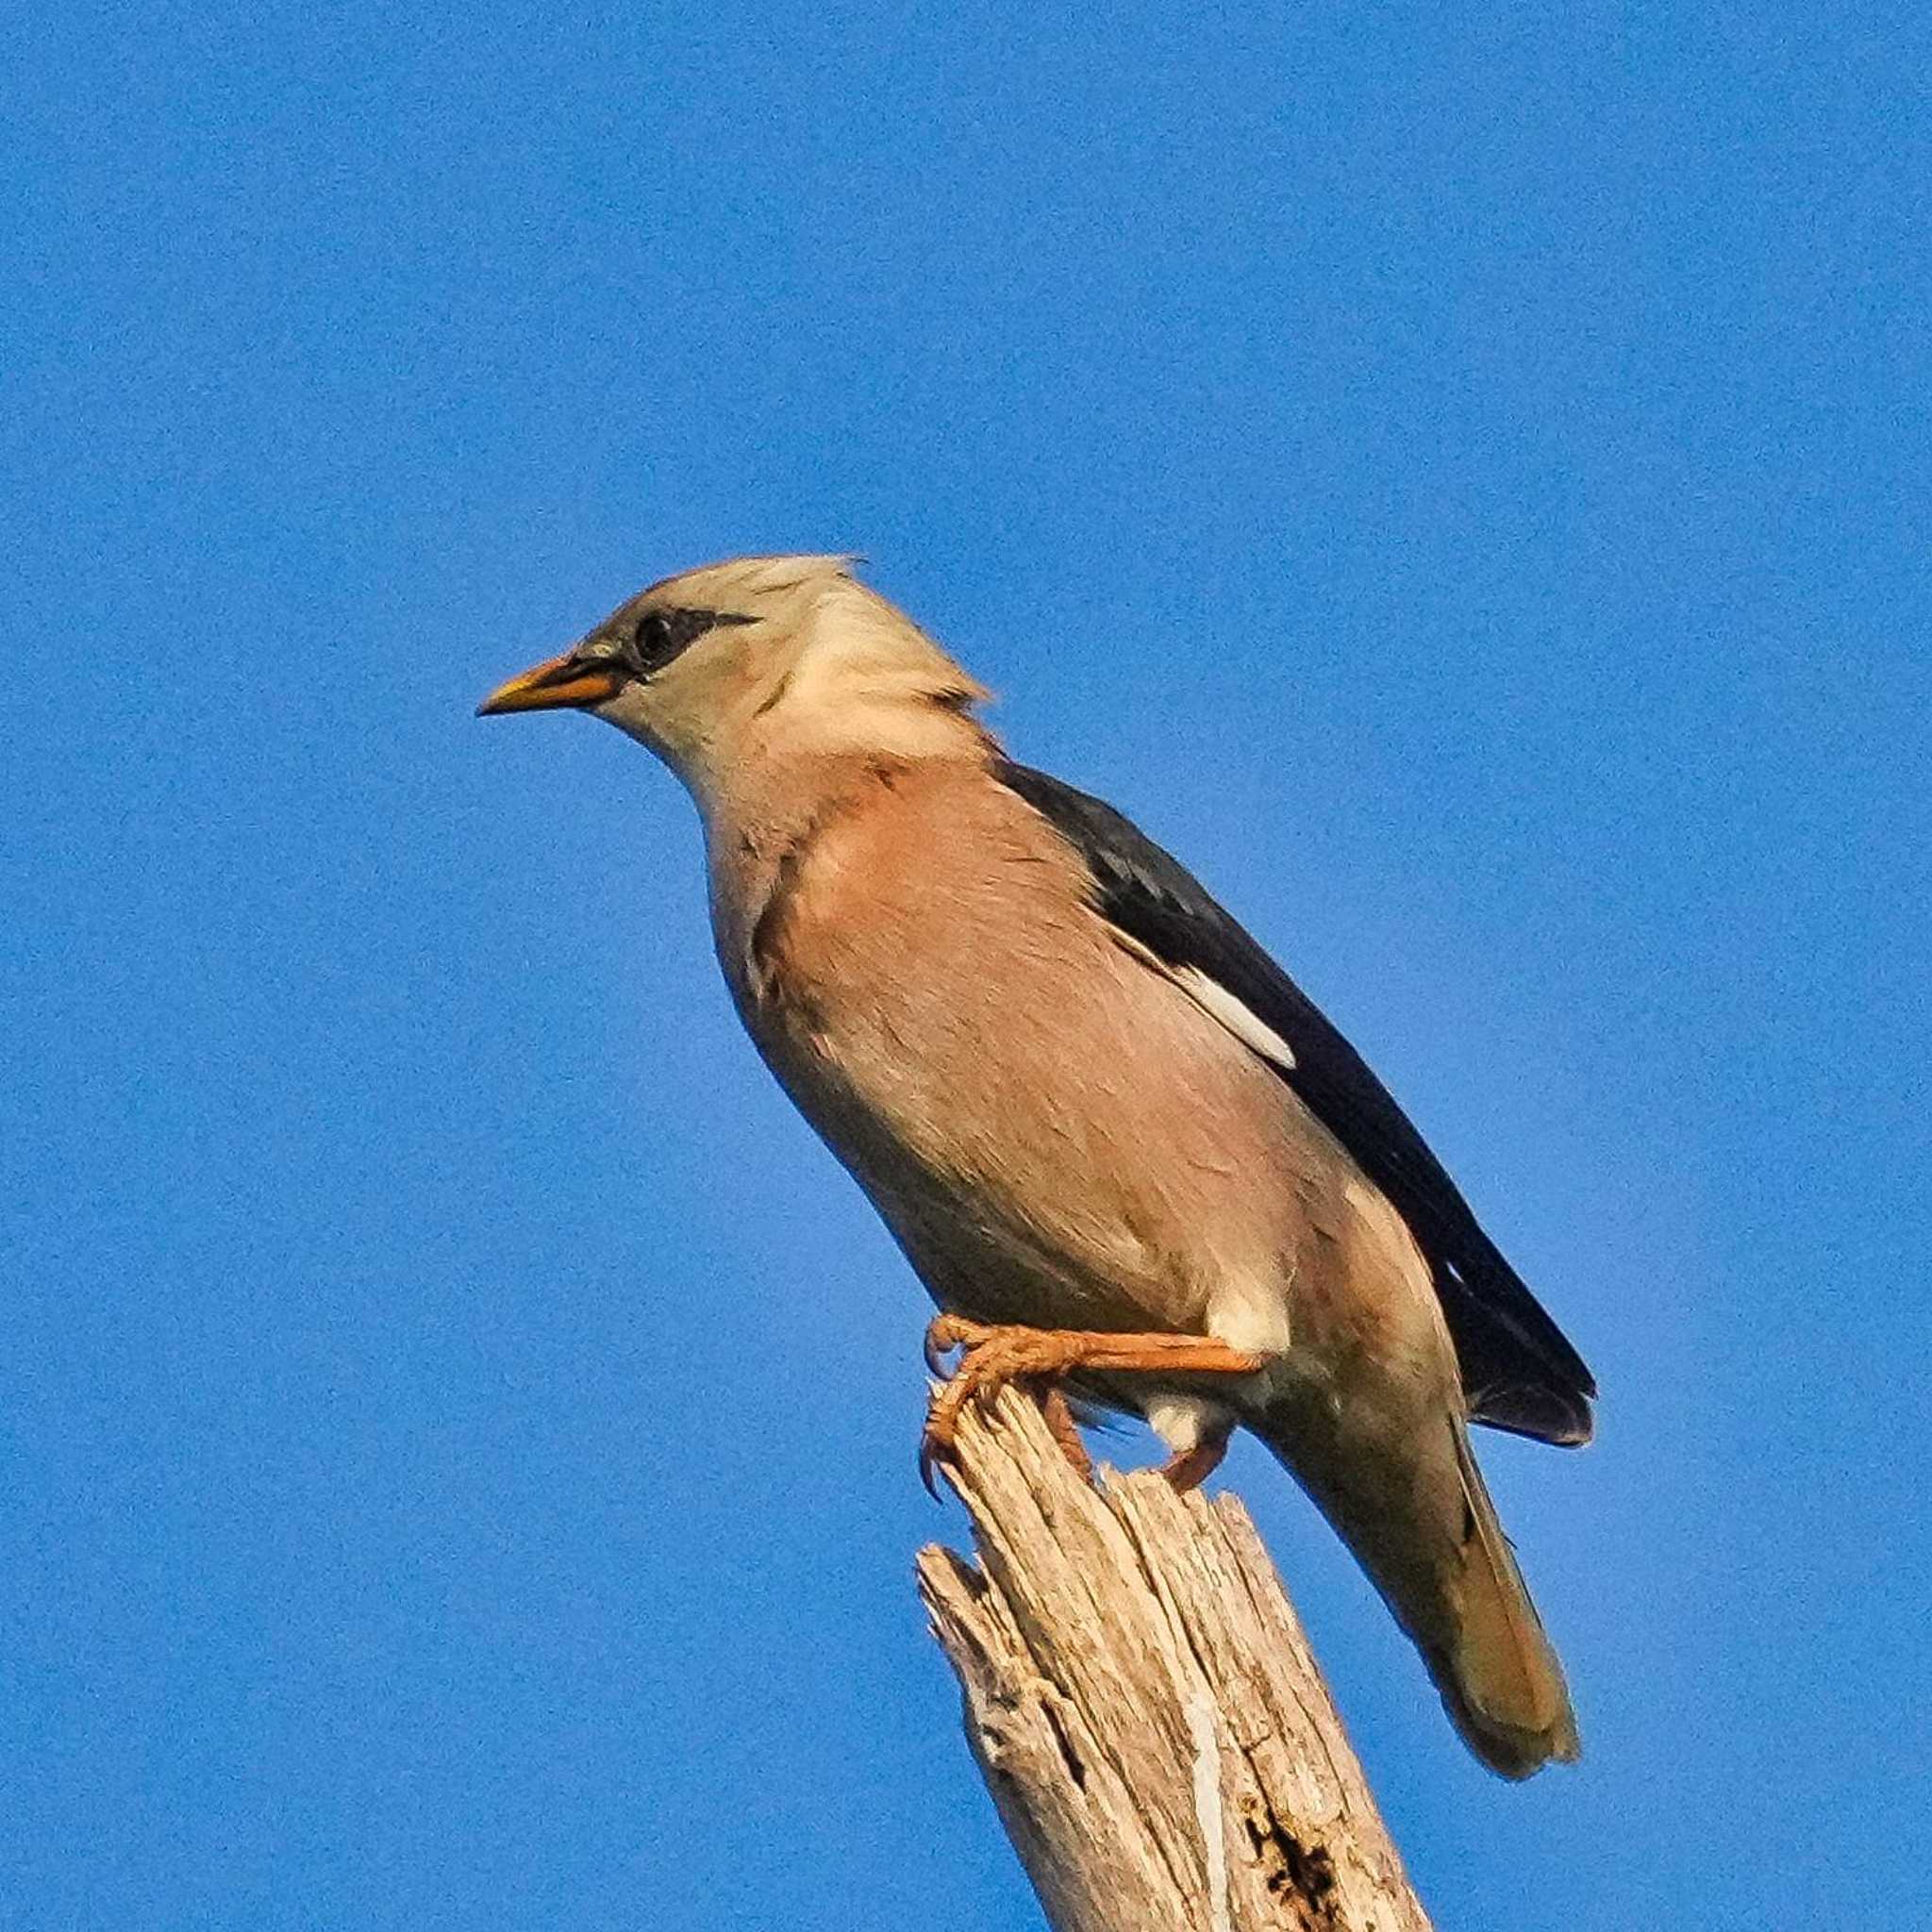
point(661, 635)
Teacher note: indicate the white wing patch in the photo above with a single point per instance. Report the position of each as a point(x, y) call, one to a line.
point(1214, 1000)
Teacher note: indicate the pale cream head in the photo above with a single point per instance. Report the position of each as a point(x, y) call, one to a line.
point(755, 656)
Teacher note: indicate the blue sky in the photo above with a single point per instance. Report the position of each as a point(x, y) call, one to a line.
point(1460, 479)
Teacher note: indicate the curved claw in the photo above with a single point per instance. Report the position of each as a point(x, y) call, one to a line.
point(934, 1350)
point(934, 1447)
point(945, 1333)
point(928, 1461)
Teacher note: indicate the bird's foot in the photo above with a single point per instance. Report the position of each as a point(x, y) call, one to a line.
point(990, 1357)
point(994, 1356)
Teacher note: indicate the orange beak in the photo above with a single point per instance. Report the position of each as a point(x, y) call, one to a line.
point(557, 684)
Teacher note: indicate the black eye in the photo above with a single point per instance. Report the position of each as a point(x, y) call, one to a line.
point(660, 635)
point(651, 643)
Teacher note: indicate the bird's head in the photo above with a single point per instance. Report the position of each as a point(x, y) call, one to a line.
point(788, 652)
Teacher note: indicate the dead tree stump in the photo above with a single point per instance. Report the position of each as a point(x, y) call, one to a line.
point(1145, 1707)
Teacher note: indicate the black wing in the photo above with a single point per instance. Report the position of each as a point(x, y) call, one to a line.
point(1519, 1370)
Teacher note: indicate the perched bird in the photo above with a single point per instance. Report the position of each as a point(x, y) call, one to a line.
point(1121, 1148)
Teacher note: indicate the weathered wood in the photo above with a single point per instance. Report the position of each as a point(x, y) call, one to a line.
point(1145, 1707)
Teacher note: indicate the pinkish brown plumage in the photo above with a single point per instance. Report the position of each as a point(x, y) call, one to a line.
point(1069, 1123)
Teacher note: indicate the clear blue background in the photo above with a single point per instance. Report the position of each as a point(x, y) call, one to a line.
point(1461, 482)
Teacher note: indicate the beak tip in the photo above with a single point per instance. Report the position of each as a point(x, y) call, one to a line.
point(559, 684)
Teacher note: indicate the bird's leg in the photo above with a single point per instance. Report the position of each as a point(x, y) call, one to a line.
point(994, 1356)
point(1188, 1469)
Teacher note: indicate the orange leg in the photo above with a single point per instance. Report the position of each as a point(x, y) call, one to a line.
point(1189, 1468)
point(994, 1356)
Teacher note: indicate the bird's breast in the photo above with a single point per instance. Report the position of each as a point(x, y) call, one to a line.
point(1024, 1100)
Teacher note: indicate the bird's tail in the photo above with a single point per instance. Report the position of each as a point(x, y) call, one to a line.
point(1446, 1568)
point(1497, 1671)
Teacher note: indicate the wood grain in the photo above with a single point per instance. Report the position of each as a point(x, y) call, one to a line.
point(1144, 1707)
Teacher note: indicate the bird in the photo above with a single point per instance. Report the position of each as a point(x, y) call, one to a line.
point(1132, 1162)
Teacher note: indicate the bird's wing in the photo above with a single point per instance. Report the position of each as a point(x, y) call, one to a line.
point(1518, 1368)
